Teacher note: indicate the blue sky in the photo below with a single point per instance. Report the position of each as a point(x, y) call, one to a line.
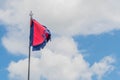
point(5, 57)
point(85, 40)
point(104, 44)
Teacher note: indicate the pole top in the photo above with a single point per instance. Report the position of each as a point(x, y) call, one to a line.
point(31, 14)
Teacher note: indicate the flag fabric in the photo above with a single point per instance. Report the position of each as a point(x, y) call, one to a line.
point(39, 35)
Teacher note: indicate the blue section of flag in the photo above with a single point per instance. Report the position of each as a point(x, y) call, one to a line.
point(38, 47)
point(31, 33)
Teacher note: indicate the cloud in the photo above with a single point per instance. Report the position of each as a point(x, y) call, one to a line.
point(54, 66)
point(78, 16)
point(60, 60)
point(51, 66)
point(63, 45)
point(63, 17)
point(103, 67)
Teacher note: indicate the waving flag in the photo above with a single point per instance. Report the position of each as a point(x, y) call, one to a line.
point(39, 35)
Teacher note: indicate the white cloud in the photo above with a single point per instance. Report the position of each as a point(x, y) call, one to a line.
point(103, 67)
point(63, 17)
point(54, 66)
point(78, 16)
point(61, 61)
point(63, 45)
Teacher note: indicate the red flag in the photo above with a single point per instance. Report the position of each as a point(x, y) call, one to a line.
point(39, 35)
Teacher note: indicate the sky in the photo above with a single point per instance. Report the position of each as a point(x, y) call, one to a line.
point(84, 46)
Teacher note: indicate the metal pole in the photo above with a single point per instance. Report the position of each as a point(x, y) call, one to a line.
point(29, 63)
point(31, 14)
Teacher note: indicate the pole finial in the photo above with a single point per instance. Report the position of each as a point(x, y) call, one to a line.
point(31, 14)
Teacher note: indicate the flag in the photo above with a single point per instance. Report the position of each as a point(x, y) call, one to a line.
point(39, 35)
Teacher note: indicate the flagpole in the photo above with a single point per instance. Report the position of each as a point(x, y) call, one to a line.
point(31, 14)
